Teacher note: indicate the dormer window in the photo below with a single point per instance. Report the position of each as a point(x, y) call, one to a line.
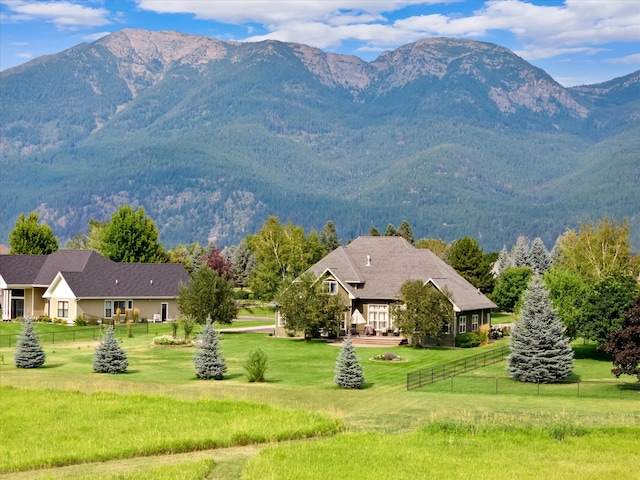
point(331, 286)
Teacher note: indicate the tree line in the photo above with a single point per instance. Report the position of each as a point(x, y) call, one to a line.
point(590, 274)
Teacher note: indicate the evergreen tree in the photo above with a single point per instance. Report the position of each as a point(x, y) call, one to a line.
point(374, 232)
point(29, 237)
point(539, 257)
point(520, 253)
point(109, 357)
point(348, 371)
point(405, 231)
point(329, 237)
point(390, 231)
point(208, 359)
point(503, 261)
point(540, 351)
point(29, 353)
point(467, 258)
point(244, 262)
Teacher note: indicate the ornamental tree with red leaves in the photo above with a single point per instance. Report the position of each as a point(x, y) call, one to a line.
point(624, 344)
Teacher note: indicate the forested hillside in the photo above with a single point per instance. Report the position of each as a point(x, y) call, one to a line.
point(457, 137)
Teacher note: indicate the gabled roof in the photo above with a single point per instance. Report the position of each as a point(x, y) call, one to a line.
point(90, 275)
point(380, 265)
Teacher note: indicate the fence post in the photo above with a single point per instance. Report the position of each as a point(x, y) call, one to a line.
point(53, 337)
point(538, 387)
point(431, 374)
point(620, 391)
point(578, 388)
point(497, 380)
point(452, 383)
point(74, 335)
point(420, 379)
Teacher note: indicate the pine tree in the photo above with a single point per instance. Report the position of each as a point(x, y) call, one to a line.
point(329, 237)
point(405, 231)
point(208, 358)
point(29, 353)
point(348, 371)
point(503, 261)
point(520, 253)
point(109, 356)
point(539, 258)
point(540, 351)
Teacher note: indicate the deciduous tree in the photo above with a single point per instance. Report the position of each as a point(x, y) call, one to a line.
point(436, 245)
point(304, 307)
point(208, 295)
point(132, 237)
point(567, 292)
point(214, 259)
point(540, 350)
point(29, 237)
point(624, 343)
point(422, 311)
point(605, 304)
point(509, 288)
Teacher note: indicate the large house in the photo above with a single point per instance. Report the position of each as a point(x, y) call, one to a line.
point(368, 274)
point(82, 283)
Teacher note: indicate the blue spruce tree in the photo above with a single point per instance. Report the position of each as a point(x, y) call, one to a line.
point(29, 353)
point(348, 371)
point(540, 351)
point(208, 359)
point(109, 357)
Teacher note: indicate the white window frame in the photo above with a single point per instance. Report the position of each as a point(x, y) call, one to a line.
point(446, 329)
point(474, 322)
point(462, 324)
point(378, 316)
point(331, 286)
point(108, 309)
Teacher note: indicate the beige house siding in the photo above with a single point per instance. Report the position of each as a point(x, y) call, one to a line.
point(147, 307)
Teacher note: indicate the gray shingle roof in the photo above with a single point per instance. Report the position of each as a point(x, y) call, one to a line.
point(382, 264)
point(90, 275)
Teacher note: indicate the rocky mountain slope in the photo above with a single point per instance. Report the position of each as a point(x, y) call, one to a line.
point(457, 137)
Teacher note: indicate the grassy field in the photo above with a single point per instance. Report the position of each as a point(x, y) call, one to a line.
point(387, 429)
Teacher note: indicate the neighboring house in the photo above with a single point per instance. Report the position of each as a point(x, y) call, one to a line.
point(368, 274)
point(71, 283)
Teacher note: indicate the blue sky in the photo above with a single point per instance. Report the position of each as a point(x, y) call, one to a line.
point(575, 41)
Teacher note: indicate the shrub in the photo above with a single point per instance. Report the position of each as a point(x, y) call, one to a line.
point(483, 334)
point(169, 340)
point(188, 323)
point(467, 340)
point(495, 333)
point(44, 319)
point(256, 365)
point(80, 321)
point(29, 353)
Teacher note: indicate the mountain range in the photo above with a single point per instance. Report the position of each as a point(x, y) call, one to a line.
point(455, 136)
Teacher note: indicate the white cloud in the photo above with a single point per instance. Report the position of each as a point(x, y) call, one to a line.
point(24, 55)
point(540, 31)
point(96, 36)
point(64, 15)
point(628, 60)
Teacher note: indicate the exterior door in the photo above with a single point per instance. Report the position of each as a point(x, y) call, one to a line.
point(17, 307)
point(164, 311)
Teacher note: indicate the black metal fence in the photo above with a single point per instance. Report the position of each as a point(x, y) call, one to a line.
point(477, 384)
point(77, 334)
point(443, 371)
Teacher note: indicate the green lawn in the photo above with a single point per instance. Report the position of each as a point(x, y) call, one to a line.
point(300, 378)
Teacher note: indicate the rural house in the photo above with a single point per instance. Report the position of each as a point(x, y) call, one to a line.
point(368, 274)
point(82, 283)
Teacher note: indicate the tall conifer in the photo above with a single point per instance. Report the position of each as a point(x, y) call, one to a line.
point(208, 359)
point(109, 356)
point(540, 351)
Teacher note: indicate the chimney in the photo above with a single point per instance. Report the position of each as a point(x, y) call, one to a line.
point(368, 260)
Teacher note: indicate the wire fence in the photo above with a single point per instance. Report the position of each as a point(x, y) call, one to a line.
point(444, 371)
point(476, 384)
point(77, 334)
